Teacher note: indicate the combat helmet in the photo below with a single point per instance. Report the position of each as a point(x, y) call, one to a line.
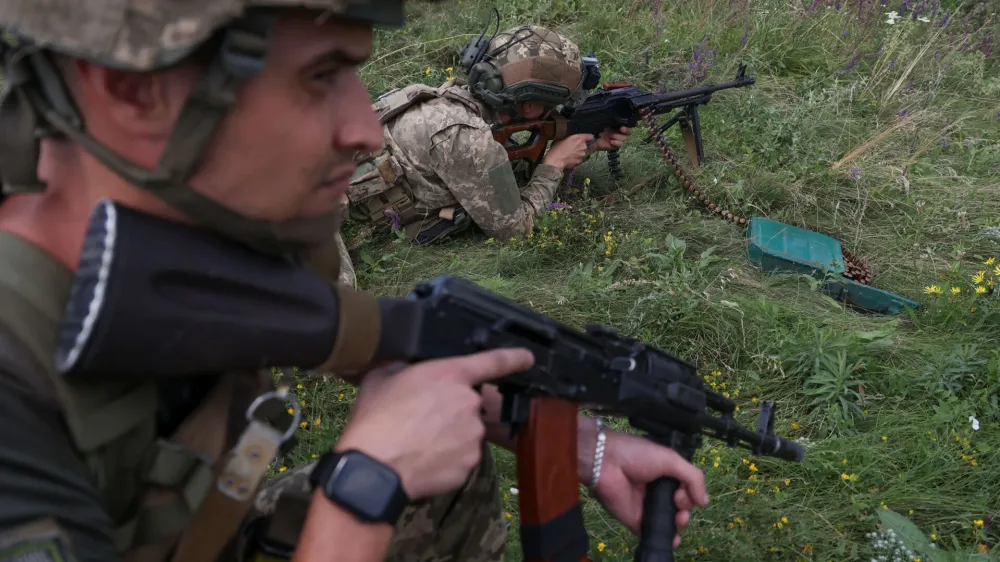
point(148, 36)
point(528, 63)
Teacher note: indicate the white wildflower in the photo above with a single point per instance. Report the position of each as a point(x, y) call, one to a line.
point(975, 423)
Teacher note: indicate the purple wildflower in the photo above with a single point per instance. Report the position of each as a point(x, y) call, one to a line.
point(904, 113)
point(856, 173)
point(396, 224)
point(556, 206)
point(944, 143)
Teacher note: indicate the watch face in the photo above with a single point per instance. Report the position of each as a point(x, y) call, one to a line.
point(365, 485)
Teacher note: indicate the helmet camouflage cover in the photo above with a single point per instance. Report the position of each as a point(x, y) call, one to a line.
point(533, 55)
point(139, 36)
point(146, 35)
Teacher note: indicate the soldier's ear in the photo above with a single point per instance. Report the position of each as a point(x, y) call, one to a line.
point(144, 104)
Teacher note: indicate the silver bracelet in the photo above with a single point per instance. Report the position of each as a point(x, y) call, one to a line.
point(598, 453)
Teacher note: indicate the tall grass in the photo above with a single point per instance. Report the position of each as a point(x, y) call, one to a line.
point(884, 135)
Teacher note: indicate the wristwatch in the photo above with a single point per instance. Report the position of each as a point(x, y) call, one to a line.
point(367, 488)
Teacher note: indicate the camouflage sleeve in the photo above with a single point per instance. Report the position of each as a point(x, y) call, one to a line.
point(50, 511)
point(476, 170)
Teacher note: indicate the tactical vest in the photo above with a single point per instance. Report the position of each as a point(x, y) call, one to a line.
point(160, 493)
point(380, 191)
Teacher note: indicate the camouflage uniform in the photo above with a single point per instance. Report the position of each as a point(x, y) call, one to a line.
point(466, 525)
point(120, 468)
point(445, 158)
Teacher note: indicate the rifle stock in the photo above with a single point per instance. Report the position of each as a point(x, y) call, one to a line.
point(542, 131)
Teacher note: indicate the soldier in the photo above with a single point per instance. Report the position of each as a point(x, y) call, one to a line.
point(441, 169)
point(241, 116)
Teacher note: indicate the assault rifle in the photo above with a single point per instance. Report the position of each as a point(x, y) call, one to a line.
point(162, 299)
point(617, 104)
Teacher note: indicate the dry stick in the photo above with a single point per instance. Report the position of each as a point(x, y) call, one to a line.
point(928, 144)
point(869, 144)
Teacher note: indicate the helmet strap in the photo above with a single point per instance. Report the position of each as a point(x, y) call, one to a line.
point(241, 55)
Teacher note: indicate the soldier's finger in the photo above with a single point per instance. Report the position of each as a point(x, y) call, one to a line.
point(488, 365)
point(682, 500)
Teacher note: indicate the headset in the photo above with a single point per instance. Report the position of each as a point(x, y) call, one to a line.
point(486, 82)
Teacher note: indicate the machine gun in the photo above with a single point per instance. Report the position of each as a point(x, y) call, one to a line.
point(166, 300)
point(617, 104)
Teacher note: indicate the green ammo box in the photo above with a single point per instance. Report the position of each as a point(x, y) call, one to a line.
point(776, 247)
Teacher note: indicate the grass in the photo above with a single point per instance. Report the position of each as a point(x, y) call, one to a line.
point(885, 136)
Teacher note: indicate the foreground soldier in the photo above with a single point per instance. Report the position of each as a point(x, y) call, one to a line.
point(118, 469)
point(441, 170)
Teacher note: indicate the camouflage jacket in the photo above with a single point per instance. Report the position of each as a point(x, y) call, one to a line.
point(450, 159)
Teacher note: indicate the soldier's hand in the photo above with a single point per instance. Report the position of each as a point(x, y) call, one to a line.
point(610, 140)
point(569, 152)
point(425, 421)
point(630, 464)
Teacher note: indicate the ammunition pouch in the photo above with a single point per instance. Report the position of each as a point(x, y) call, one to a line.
point(379, 192)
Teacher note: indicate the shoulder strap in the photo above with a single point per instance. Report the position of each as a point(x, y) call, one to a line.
point(393, 103)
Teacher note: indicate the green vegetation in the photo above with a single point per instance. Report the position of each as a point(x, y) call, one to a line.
point(884, 135)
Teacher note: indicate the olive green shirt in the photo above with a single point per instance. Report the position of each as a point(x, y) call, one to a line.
point(41, 474)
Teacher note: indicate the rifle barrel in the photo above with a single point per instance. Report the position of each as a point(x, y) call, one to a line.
point(707, 89)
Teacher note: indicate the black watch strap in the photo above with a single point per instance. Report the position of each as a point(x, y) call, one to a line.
point(369, 489)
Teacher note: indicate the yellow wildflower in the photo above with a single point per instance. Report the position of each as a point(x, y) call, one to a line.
point(982, 548)
point(507, 514)
point(933, 536)
point(795, 426)
point(932, 290)
point(341, 396)
point(304, 424)
point(979, 277)
point(282, 469)
point(980, 290)
point(844, 476)
point(427, 71)
point(299, 386)
point(884, 438)
point(788, 483)
point(977, 523)
point(956, 291)
point(753, 467)
point(989, 261)
point(784, 519)
point(291, 411)
point(449, 70)
point(316, 422)
point(754, 400)
point(601, 546)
